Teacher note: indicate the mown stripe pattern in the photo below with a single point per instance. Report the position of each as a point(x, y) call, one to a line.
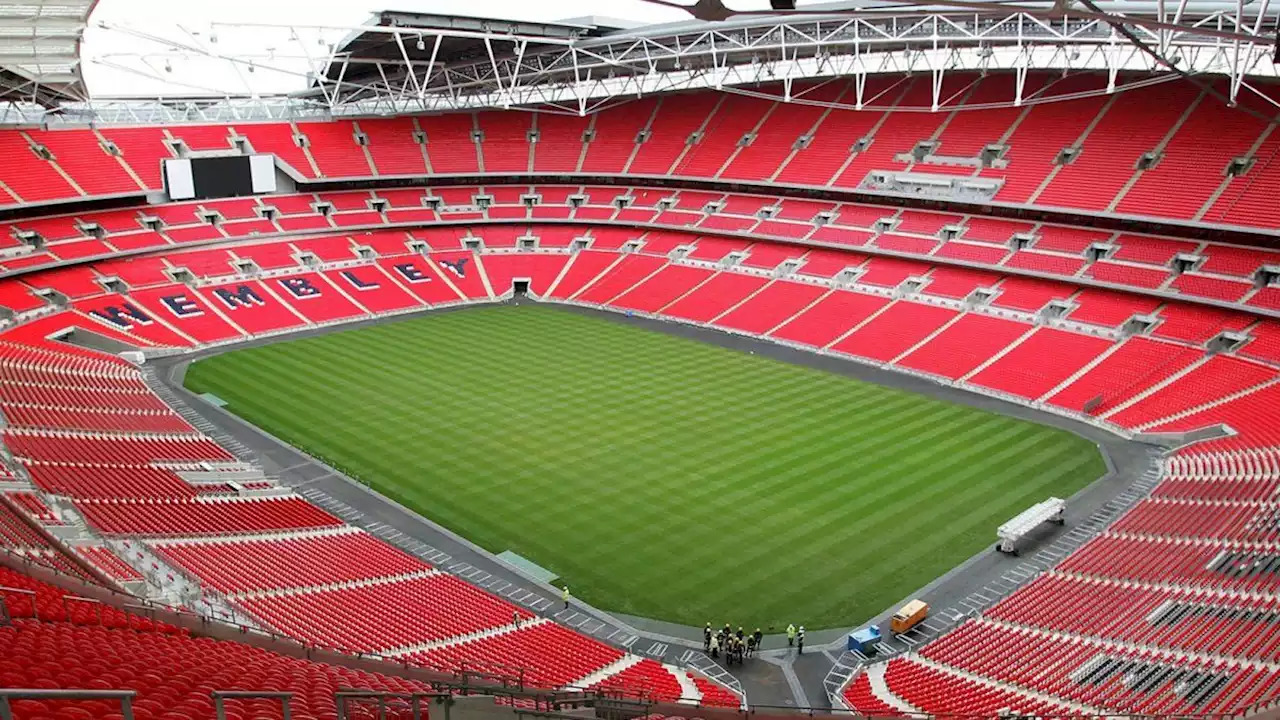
point(658, 476)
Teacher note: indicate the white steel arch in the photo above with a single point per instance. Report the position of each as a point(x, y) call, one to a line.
point(582, 75)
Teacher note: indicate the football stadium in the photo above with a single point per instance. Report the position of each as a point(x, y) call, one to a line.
point(651, 359)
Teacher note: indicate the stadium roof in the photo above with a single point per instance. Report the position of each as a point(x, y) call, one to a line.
point(40, 49)
point(245, 64)
point(361, 58)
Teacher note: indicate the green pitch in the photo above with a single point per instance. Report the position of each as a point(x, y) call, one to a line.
point(657, 476)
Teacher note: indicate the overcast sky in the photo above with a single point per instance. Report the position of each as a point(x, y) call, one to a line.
point(119, 62)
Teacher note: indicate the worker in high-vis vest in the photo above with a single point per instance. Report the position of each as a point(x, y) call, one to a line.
point(791, 635)
point(564, 594)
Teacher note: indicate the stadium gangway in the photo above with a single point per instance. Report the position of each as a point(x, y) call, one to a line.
point(220, 697)
point(124, 696)
point(1010, 533)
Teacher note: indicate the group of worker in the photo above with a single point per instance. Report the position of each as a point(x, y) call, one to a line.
point(740, 645)
point(735, 646)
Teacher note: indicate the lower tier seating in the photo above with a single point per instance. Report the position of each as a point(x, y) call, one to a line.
point(647, 680)
point(386, 615)
point(121, 450)
point(941, 693)
point(714, 695)
point(16, 532)
point(1194, 621)
point(108, 563)
point(1022, 372)
point(200, 516)
point(238, 566)
point(1192, 562)
point(172, 673)
point(1098, 674)
point(111, 482)
point(859, 696)
point(544, 654)
point(1138, 364)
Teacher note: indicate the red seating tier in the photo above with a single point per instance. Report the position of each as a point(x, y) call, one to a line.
point(203, 516)
point(173, 674)
point(1023, 372)
point(647, 680)
point(109, 481)
point(662, 288)
point(1030, 294)
point(830, 318)
point(544, 654)
point(386, 616)
point(715, 297)
point(235, 566)
point(1036, 659)
point(1110, 309)
point(108, 563)
point(1218, 378)
point(16, 532)
point(1135, 366)
point(964, 345)
point(1196, 324)
point(895, 330)
point(115, 450)
point(938, 692)
point(1159, 560)
point(621, 277)
point(771, 307)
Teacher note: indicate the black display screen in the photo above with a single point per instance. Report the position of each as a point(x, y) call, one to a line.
point(218, 177)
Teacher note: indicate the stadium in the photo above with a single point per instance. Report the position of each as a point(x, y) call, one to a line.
point(841, 359)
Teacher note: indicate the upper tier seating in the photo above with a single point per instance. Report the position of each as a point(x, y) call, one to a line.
point(710, 134)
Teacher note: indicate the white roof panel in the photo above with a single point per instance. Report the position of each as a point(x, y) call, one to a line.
point(40, 39)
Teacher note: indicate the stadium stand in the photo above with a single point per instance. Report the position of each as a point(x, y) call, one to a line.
point(202, 516)
point(1171, 610)
point(1109, 151)
point(1168, 382)
point(172, 671)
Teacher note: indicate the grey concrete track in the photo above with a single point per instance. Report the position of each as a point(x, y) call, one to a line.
point(777, 676)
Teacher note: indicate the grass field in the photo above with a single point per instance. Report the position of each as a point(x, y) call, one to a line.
point(657, 475)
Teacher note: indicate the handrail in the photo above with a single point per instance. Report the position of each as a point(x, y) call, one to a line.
point(124, 696)
point(221, 696)
point(386, 700)
point(29, 594)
